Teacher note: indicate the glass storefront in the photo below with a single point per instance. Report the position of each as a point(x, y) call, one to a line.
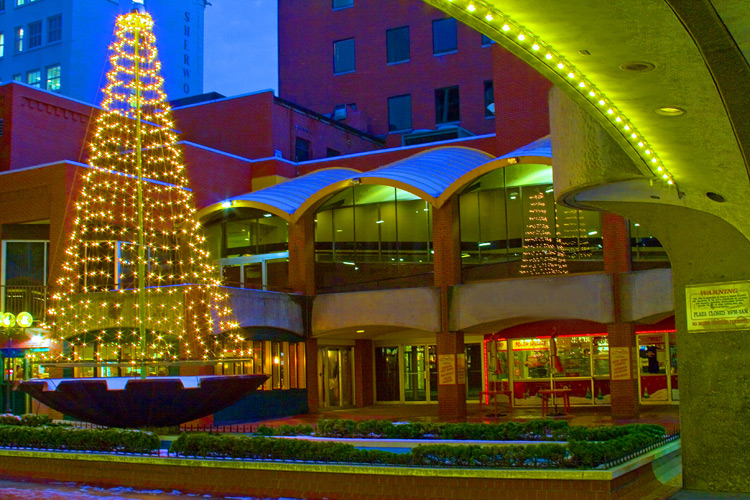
point(406, 373)
point(336, 377)
point(527, 366)
point(283, 362)
point(582, 365)
point(499, 212)
point(251, 248)
point(657, 354)
point(373, 236)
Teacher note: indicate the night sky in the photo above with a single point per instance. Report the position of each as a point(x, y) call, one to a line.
point(241, 47)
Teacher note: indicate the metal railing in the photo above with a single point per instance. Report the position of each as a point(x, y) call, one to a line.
point(19, 298)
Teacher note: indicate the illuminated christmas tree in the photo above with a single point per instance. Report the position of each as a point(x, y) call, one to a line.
point(542, 251)
point(137, 281)
point(573, 234)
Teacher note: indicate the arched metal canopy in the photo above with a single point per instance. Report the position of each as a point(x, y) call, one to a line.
point(433, 175)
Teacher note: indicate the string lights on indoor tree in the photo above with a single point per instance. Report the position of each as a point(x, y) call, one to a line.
point(137, 280)
point(542, 251)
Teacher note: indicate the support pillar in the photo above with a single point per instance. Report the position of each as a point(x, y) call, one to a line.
point(363, 373)
point(450, 345)
point(311, 374)
point(302, 255)
point(302, 281)
point(617, 259)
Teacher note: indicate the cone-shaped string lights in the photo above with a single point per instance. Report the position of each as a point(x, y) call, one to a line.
point(137, 284)
point(542, 252)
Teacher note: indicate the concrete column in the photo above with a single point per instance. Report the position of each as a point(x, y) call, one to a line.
point(617, 259)
point(450, 345)
point(705, 247)
point(363, 373)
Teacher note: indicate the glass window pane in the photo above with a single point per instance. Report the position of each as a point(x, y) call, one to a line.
point(397, 41)
point(447, 106)
point(343, 56)
point(444, 36)
point(489, 99)
point(54, 28)
point(53, 78)
point(35, 34)
point(340, 4)
point(302, 150)
point(399, 113)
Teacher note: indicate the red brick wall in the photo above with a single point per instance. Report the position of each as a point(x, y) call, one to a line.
point(214, 177)
point(451, 397)
point(311, 365)
point(224, 478)
point(521, 110)
point(616, 242)
point(307, 31)
point(302, 255)
point(41, 128)
point(250, 133)
point(363, 376)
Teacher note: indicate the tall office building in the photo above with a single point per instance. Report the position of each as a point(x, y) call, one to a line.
point(61, 45)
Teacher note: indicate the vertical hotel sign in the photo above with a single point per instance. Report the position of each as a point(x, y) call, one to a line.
point(718, 306)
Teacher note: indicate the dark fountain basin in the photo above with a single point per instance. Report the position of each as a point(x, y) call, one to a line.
point(133, 402)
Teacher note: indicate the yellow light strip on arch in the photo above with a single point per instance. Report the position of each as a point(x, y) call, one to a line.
point(542, 52)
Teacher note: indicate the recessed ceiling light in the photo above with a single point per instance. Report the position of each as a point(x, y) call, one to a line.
point(670, 111)
point(637, 66)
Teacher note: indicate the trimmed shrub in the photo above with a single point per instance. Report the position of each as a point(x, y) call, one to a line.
point(72, 439)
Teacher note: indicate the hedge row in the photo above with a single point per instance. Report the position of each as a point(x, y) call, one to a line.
point(27, 419)
point(71, 439)
point(533, 430)
point(262, 448)
point(626, 441)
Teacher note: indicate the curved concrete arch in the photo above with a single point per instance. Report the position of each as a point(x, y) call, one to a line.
point(490, 306)
point(408, 309)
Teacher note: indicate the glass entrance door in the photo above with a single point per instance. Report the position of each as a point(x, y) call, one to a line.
point(420, 373)
point(335, 379)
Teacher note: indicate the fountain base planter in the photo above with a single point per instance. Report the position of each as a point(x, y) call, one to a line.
point(150, 402)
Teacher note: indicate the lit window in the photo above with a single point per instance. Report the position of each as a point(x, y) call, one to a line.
point(399, 113)
point(489, 99)
point(342, 4)
point(53, 78)
point(301, 150)
point(447, 108)
point(35, 34)
point(444, 37)
point(18, 45)
point(17, 78)
point(24, 2)
point(54, 28)
point(34, 78)
point(397, 44)
point(343, 56)
point(2, 43)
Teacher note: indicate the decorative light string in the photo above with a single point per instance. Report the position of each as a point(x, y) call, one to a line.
point(542, 253)
point(96, 305)
point(533, 45)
